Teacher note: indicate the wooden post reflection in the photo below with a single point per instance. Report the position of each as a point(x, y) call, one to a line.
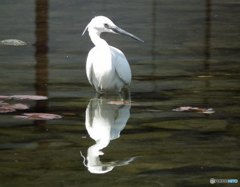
point(208, 34)
point(154, 20)
point(207, 50)
point(41, 45)
point(153, 42)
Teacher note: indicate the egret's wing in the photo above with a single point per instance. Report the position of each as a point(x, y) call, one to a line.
point(89, 65)
point(121, 65)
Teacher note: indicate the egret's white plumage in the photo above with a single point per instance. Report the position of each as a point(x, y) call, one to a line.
point(107, 67)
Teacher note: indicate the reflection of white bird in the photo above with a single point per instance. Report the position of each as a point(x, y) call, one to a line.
point(107, 67)
point(104, 122)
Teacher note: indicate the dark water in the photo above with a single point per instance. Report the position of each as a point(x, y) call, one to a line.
point(190, 58)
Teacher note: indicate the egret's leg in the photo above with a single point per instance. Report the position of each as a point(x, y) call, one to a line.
point(99, 94)
point(125, 94)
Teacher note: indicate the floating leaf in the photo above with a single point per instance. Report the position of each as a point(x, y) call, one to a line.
point(6, 107)
point(13, 42)
point(4, 97)
point(38, 116)
point(205, 76)
point(20, 106)
point(116, 102)
point(29, 97)
point(194, 109)
point(119, 102)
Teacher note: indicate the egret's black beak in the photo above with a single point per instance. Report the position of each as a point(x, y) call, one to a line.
point(123, 32)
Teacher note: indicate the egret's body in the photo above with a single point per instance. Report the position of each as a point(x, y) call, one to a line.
point(107, 67)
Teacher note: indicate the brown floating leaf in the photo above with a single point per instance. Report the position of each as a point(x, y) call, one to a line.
point(6, 107)
point(4, 97)
point(29, 97)
point(194, 109)
point(20, 106)
point(118, 102)
point(38, 116)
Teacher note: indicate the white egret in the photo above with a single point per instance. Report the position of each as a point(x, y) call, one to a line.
point(107, 68)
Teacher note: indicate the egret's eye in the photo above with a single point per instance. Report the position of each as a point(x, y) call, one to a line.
point(106, 26)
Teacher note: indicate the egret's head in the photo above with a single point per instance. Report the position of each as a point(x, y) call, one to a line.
point(101, 24)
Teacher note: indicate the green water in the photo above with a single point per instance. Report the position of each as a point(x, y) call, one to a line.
point(190, 58)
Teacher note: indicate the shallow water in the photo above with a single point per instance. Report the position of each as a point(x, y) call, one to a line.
point(190, 58)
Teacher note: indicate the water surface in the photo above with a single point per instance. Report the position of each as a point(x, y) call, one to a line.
point(190, 58)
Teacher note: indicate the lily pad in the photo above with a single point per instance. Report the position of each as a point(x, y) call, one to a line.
point(38, 116)
point(7, 108)
point(29, 97)
point(194, 109)
point(20, 106)
point(13, 42)
point(2, 97)
point(118, 102)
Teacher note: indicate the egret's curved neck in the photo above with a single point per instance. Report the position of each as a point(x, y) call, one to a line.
point(96, 39)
